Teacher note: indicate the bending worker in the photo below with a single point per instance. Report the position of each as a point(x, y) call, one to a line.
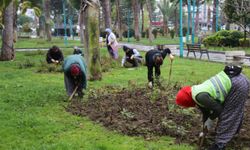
point(223, 96)
point(132, 56)
point(75, 72)
point(154, 59)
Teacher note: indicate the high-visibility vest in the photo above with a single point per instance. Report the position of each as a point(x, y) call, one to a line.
point(217, 86)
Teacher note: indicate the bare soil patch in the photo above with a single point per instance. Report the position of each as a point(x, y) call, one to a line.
point(150, 113)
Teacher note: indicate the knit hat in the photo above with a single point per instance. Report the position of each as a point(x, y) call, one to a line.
point(184, 97)
point(108, 30)
point(74, 70)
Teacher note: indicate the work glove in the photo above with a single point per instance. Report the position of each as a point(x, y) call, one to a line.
point(171, 57)
point(208, 124)
point(150, 85)
point(132, 57)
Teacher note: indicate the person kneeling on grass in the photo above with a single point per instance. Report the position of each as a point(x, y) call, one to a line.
point(132, 57)
point(223, 96)
point(75, 72)
point(77, 51)
point(54, 55)
point(154, 59)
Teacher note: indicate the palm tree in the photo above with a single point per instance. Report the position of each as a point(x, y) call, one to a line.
point(8, 52)
point(149, 6)
point(117, 2)
point(47, 19)
point(136, 10)
point(166, 9)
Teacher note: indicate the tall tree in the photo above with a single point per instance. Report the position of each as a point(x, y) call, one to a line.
point(149, 7)
point(106, 8)
point(117, 2)
point(47, 19)
point(238, 12)
point(136, 12)
point(91, 40)
point(8, 51)
point(166, 10)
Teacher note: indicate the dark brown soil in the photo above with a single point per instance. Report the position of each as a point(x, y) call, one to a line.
point(149, 113)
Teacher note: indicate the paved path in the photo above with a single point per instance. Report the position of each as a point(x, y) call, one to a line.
point(214, 55)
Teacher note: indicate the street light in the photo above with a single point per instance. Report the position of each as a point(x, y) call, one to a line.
point(181, 32)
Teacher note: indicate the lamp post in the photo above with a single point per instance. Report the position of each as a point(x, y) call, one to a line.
point(217, 16)
point(193, 28)
point(65, 25)
point(128, 15)
point(181, 32)
point(189, 13)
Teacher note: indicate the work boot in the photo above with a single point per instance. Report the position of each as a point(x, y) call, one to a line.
point(219, 146)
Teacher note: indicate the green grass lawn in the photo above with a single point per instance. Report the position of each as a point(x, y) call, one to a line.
point(33, 116)
point(42, 43)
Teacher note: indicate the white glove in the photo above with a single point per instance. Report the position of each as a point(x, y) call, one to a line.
point(209, 124)
point(171, 57)
point(132, 57)
point(150, 85)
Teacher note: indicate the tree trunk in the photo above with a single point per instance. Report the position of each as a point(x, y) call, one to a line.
point(214, 16)
point(197, 17)
point(91, 40)
point(107, 12)
point(8, 51)
point(136, 19)
point(81, 26)
point(149, 7)
point(41, 30)
point(165, 25)
point(47, 19)
point(119, 19)
point(15, 37)
point(208, 17)
point(142, 18)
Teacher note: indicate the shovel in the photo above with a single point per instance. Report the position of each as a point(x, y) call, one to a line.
point(202, 136)
point(170, 70)
point(71, 96)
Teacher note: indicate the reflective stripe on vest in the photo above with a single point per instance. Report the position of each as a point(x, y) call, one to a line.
point(218, 87)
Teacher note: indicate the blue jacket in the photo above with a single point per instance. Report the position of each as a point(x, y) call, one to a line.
point(76, 59)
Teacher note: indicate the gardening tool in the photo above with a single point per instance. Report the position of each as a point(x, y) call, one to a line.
point(170, 70)
point(202, 136)
point(71, 96)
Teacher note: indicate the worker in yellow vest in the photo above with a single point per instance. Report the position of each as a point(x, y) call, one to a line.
point(223, 96)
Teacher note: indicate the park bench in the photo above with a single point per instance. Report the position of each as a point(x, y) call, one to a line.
point(196, 48)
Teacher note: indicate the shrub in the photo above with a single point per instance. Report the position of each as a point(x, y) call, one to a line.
point(223, 33)
point(184, 31)
point(244, 43)
point(172, 33)
point(26, 64)
point(210, 40)
point(224, 38)
point(155, 31)
point(131, 33)
point(161, 31)
point(237, 34)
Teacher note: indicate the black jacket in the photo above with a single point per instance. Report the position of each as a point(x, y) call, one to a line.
point(54, 55)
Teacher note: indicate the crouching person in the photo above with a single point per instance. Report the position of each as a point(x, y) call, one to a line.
point(75, 72)
point(132, 57)
point(223, 96)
